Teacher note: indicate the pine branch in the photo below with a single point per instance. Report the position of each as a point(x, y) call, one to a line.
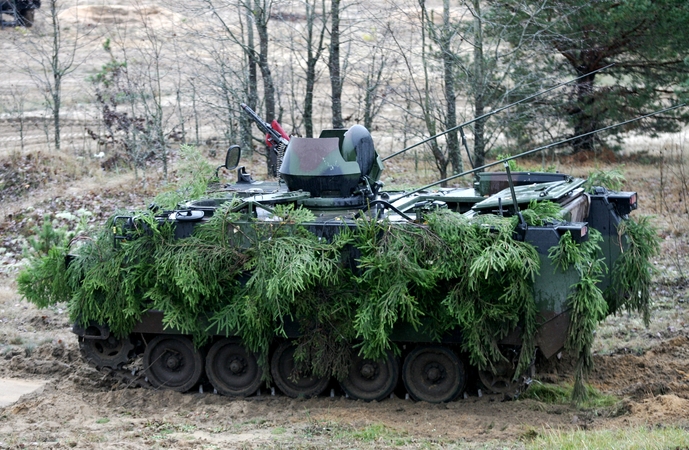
point(633, 271)
point(586, 303)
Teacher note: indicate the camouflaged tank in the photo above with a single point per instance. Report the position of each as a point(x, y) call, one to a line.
point(21, 12)
point(336, 178)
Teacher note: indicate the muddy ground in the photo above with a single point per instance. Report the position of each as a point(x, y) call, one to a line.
point(81, 408)
point(647, 370)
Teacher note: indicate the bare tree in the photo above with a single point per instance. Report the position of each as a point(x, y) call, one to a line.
point(251, 76)
point(149, 91)
point(179, 83)
point(374, 76)
point(123, 123)
point(432, 109)
point(443, 37)
point(306, 26)
point(17, 104)
point(195, 110)
point(261, 11)
point(485, 66)
point(420, 96)
point(140, 114)
point(226, 66)
point(478, 86)
point(55, 51)
point(313, 41)
point(253, 15)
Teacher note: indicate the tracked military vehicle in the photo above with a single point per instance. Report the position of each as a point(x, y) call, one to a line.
point(327, 276)
point(18, 12)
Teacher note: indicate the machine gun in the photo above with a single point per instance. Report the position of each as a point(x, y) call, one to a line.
point(276, 138)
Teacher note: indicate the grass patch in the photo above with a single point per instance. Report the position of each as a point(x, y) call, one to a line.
point(562, 394)
point(620, 439)
point(29, 349)
point(376, 432)
point(162, 429)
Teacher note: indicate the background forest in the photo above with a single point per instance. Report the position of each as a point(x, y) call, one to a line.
point(148, 76)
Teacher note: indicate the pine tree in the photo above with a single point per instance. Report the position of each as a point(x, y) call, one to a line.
point(646, 42)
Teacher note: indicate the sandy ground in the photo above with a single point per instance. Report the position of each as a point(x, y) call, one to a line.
point(12, 389)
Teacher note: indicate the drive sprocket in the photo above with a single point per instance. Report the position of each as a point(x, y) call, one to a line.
point(109, 353)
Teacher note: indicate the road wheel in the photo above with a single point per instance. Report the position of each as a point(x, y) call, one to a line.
point(172, 362)
point(232, 370)
point(290, 382)
point(110, 352)
point(433, 374)
point(370, 380)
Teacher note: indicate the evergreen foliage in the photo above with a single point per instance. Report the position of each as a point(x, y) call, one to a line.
point(394, 260)
point(284, 263)
point(494, 295)
point(538, 213)
point(47, 237)
point(196, 173)
point(326, 317)
point(109, 283)
point(243, 277)
point(643, 39)
point(45, 282)
point(586, 302)
point(631, 276)
point(611, 179)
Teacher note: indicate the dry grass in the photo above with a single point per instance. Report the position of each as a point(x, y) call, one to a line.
point(622, 438)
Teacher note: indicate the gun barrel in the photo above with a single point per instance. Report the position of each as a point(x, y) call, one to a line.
point(262, 125)
point(255, 117)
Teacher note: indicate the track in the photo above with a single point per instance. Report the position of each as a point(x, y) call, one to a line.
point(431, 374)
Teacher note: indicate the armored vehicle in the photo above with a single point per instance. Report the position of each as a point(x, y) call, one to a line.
point(327, 276)
point(21, 12)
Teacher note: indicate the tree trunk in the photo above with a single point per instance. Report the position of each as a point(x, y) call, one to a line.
point(452, 139)
point(196, 113)
point(251, 86)
point(308, 98)
point(479, 85)
point(441, 161)
point(372, 84)
point(56, 109)
point(312, 58)
point(334, 65)
point(262, 16)
point(584, 121)
point(57, 73)
point(368, 104)
point(158, 116)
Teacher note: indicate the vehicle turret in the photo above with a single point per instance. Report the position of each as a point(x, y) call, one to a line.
point(340, 164)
